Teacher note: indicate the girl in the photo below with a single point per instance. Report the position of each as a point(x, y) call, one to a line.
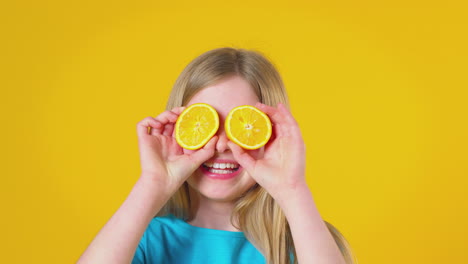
point(182, 210)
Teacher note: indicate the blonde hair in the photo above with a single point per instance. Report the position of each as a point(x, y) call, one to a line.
point(259, 216)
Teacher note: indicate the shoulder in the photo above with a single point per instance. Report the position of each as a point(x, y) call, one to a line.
point(158, 241)
point(162, 229)
point(164, 222)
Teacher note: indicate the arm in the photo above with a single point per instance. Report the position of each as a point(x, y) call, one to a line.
point(164, 168)
point(312, 239)
point(281, 171)
point(118, 239)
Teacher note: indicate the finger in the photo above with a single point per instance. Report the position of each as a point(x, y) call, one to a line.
point(203, 154)
point(178, 110)
point(157, 129)
point(167, 117)
point(168, 129)
point(291, 126)
point(275, 115)
point(244, 158)
point(276, 118)
point(145, 126)
point(280, 114)
point(272, 138)
point(284, 123)
point(287, 114)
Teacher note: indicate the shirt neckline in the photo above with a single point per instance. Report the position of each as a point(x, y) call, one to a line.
point(210, 231)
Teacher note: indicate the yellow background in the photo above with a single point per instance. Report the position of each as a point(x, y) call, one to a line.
point(379, 90)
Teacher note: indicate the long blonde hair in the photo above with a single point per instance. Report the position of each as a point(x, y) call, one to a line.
point(259, 216)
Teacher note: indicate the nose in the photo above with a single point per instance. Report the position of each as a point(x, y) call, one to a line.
point(221, 145)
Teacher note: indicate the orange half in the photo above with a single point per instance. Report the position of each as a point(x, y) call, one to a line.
point(196, 125)
point(248, 127)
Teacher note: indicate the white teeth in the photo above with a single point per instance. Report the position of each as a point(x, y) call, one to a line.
point(220, 171)
point(220, 165)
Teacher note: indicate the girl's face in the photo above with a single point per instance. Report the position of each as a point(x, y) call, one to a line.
point(216, 179)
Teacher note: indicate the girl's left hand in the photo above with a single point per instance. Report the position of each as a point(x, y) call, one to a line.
point(282, 168)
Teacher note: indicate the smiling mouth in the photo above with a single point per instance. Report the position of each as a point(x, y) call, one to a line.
point(221, 167)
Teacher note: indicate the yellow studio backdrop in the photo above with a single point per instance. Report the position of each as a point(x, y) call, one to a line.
point(379, 90)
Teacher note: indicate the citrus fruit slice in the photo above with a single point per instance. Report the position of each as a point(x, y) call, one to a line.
point(248, 127)
point(196, 125)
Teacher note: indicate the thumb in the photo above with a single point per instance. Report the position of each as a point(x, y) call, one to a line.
point(203, 154)
point(244, 158)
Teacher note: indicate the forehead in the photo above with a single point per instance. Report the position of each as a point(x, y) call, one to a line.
point(226, 94)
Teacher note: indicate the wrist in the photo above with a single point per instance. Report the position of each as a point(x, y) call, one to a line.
point(292, 194)
point(159, 183)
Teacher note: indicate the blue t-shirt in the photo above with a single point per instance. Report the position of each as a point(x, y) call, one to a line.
point(169, 240)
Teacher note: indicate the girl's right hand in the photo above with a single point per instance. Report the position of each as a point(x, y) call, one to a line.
point(161, 157)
